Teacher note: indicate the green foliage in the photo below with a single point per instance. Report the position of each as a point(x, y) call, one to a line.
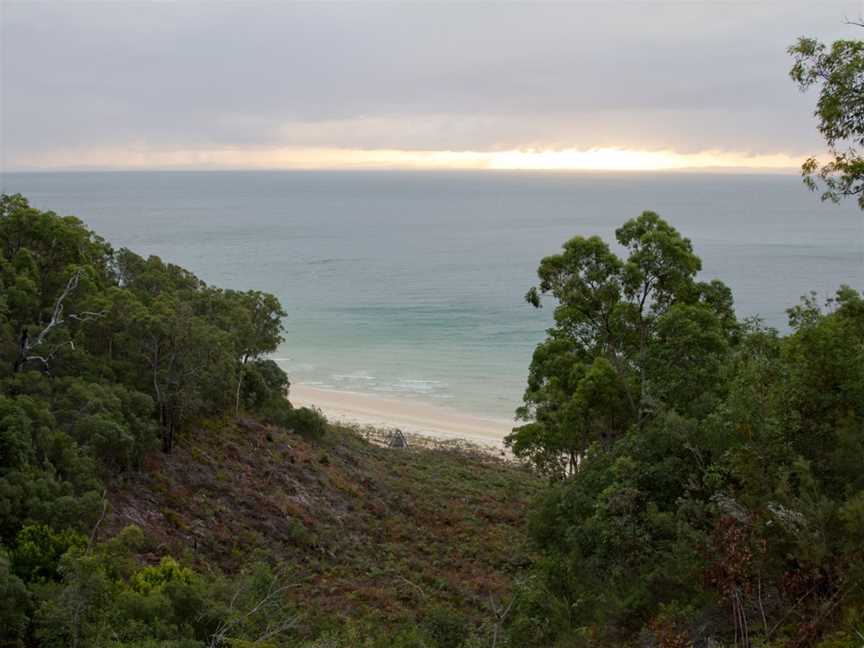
point(103, 354)
point(114, 422)
point(103, 598)
point(264, 383)
point(308, 422)
point(705, 474)
point(445, 627)
point(442, 628)
point(140, 346)
point(153, 579)
point(619, 323)
point(38, 550)
point(16, 435)
point(727, 505)
point(14, 604)
point(838, 71)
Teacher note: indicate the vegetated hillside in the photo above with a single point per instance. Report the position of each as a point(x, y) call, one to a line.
point(707, 483)
point(377, 535)
point(129, 520)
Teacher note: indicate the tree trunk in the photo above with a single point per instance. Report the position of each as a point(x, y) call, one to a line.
point(168, 436)
point(239, 385)
point(21, 358)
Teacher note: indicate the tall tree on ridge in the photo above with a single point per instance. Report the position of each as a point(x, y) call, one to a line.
point(838, 72)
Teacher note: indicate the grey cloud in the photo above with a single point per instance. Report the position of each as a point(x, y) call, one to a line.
point(684, 75)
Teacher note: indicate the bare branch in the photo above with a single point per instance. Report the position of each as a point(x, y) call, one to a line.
point(221, 634)
point(28, 344)
point(57, 313)
point(414, 585)
point(500, 616)
point(98, 522)
point(87, 316)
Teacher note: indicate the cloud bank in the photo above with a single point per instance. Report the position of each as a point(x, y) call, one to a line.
point(493, 85)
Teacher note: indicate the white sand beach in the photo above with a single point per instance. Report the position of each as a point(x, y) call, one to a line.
point(408, 416)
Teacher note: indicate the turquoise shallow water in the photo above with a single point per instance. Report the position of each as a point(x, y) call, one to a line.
point(410, 284)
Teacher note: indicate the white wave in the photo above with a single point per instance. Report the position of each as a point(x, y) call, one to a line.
point(354, 376)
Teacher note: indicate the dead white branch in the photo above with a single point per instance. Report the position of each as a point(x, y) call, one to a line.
point(28, 345)
point(272, 628)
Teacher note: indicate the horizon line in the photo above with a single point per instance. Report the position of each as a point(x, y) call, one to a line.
point(726, 170)
point(614, 159)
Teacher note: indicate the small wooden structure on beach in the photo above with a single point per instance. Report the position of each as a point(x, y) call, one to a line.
point(397, 439)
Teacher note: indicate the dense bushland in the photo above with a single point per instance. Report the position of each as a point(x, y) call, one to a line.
point(705, 481)
point(158, 489)
point(104, 358)
point(707, 475)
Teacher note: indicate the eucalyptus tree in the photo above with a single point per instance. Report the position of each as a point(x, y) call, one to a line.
point(838, 72)
point(254, 321)
point(48, 265)
point(624, 330)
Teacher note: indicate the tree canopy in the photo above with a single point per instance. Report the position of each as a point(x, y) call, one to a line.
point(105, 357)
point(706, 483)
point(838, 72)
point(629, 335)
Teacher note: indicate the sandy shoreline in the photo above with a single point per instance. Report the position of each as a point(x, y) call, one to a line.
point(409, 416)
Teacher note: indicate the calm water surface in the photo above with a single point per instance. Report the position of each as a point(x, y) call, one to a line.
point(411, 284)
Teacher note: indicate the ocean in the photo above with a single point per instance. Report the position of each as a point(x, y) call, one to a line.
point(410, 284)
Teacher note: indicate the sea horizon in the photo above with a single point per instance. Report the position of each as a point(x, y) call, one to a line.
point(408, 284)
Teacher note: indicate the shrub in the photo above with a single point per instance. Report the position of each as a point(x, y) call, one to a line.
point(445, 626)
point(305, 421)
point(309, 422)
point(38, 549)
point(155, 578)
point(14, 604)
point(15, 435)
point(263, 382)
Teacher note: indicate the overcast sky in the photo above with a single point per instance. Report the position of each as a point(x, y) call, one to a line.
point(116, 84)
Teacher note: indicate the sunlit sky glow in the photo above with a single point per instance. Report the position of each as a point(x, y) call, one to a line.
point(601, 159)
point(606, 85)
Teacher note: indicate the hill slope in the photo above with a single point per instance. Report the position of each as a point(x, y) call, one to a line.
point(368, 532)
